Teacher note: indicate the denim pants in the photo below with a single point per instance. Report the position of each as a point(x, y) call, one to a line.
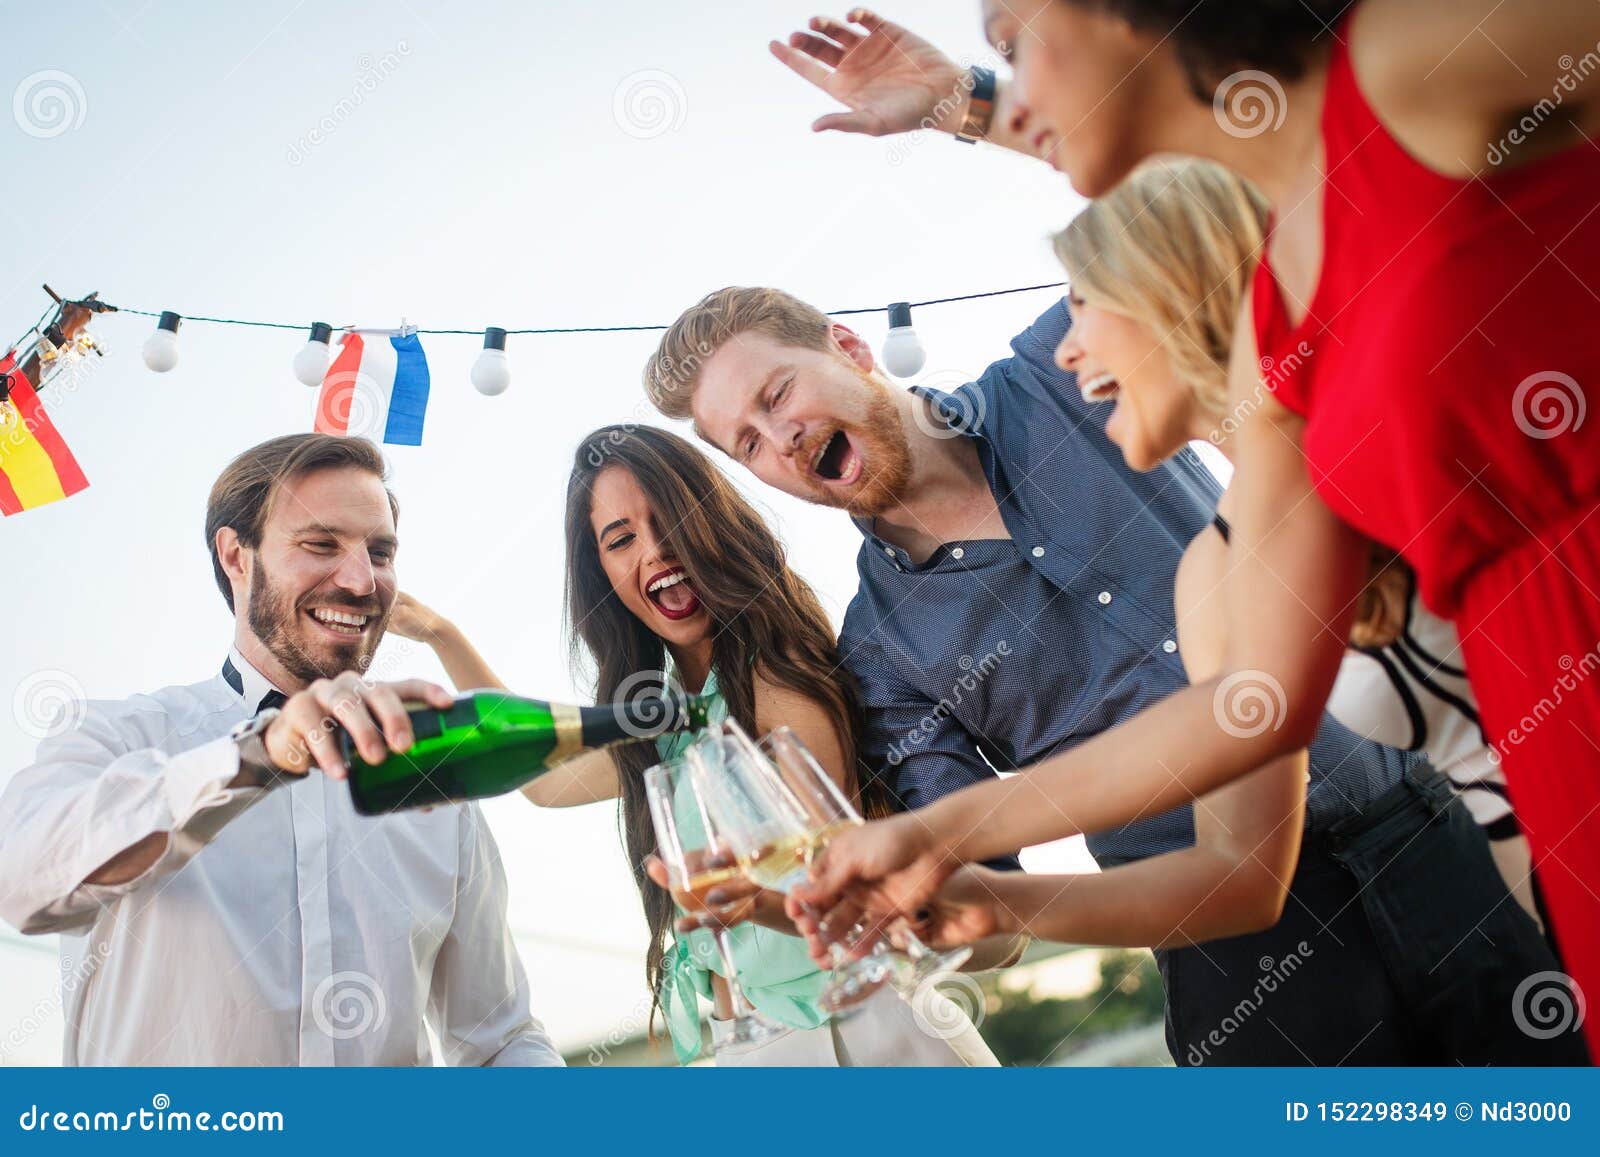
point(1399, 945)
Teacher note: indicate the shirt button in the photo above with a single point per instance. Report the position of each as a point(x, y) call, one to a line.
point(1038, 552)
point(889, 550)
point(1105, 598)
point(1169, 646)
point(958, 553)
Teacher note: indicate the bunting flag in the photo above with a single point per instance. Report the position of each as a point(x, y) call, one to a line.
point(376, 389)
point(35, 465)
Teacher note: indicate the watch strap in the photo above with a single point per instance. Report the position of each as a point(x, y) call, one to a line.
point(980, 105)
point(256, 769)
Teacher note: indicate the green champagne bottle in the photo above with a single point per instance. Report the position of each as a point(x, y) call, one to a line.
point(491, 742)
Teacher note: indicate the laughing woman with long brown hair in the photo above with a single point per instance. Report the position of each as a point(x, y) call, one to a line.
point(673, 576)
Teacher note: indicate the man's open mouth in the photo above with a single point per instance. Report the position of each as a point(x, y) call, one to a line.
point(341, 622)
point(672, 593)
point(837, 461)
point(1098, 388)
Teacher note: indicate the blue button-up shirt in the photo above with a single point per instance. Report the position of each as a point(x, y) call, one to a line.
point(995, 654)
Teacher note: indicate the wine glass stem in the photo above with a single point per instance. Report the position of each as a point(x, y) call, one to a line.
point(741, 1005)
point(914, 947)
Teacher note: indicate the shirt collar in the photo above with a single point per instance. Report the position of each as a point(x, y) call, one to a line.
point(249, 684)
point(675, 679)
point(965, 413)
point(964, 410)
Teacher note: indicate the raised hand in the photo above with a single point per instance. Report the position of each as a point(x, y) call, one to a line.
point(892, 80)
point(873, 874)
point(411, 619)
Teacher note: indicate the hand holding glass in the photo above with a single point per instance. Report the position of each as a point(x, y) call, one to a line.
point(690, 843)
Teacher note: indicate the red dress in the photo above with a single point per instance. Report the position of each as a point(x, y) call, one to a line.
point(1445, 370)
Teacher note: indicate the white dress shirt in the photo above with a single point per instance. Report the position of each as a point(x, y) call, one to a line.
point(279, 927)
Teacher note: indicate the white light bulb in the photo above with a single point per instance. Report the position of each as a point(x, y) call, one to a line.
point(161, 348)
point(311, 363)
point(903, 354)
point(491, 373)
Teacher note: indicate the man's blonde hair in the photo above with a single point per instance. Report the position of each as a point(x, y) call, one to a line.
point(673, 371)
point(1173, 247)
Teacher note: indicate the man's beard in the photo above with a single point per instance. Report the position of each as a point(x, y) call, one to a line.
point(274, 618)
point(880, 441)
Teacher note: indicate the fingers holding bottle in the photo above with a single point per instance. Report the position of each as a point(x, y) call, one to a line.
point(305, 733)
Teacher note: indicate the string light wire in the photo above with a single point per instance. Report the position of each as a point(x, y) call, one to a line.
point(584, 328)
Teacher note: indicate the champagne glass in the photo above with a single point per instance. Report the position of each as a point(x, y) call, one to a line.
point(688, 842)
point(775, 834)
point(829, 811)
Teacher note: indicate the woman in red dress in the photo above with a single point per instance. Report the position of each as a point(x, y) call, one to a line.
point(1422, 326)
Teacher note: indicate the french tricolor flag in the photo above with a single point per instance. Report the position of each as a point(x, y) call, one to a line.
point(376, 388)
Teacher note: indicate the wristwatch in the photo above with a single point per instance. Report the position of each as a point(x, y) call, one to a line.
point(255, 768)
point(980, 105)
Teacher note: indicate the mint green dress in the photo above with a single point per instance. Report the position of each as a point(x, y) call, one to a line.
point(777, 975)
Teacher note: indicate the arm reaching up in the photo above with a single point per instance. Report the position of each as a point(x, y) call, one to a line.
point(588, 777)
point(415, 620)
point(893, 81)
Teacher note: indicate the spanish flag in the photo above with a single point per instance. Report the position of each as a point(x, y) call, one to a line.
point(35, 465)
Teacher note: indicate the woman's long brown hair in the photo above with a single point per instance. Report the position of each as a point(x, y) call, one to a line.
point(765, 617)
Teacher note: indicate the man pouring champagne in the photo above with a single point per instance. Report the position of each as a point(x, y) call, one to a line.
point(200, 842)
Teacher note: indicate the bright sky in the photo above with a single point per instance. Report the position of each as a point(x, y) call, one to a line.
point(488, 172)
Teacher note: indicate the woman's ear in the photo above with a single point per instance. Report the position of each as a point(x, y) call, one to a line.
point(854, 347)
